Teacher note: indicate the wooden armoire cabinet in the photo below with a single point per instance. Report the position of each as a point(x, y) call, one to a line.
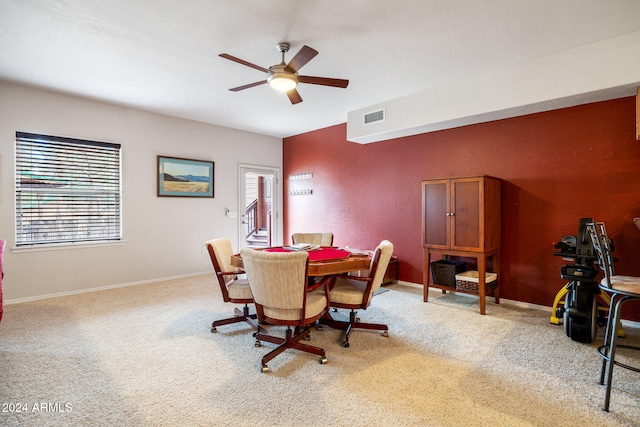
point(461, 218)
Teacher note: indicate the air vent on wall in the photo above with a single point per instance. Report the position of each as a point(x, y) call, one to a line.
point(373, 117)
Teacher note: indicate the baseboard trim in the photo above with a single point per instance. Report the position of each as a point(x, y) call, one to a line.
point(100, 288)
point(514, 303)
point(399, 282)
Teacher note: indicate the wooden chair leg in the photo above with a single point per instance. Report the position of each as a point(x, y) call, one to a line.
point(240, 316)
point(348, 326)
point(289, 341)
point(284, 344)
point(251, 319)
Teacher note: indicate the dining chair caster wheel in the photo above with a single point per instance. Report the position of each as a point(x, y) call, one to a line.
point(257, 344)
point(213, 330)
point(385, 334)
point(318, 327)
point(307, 337)
point(265, 369)
point(345, 344)
point(323, 360)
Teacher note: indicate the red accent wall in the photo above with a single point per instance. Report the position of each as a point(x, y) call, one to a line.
point(557, 167)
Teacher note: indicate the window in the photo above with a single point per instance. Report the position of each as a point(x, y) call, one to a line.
point(67, 190)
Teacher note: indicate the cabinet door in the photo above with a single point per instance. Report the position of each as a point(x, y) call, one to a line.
point(466, 220)
point(436, 229)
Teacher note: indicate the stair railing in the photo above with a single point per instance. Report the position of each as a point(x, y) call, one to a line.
point(269, 228)
point(251, 217)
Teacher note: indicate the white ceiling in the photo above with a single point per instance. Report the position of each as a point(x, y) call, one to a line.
point(162, 55)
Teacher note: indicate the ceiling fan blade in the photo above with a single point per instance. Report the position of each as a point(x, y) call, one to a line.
point(324, 81)
point(303, 56)
point(247, 86)
point(294, 96)
point(243, 62)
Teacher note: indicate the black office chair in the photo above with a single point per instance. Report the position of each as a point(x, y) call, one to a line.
point(622, 290)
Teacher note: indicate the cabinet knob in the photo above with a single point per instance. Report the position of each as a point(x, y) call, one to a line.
point(450, 213)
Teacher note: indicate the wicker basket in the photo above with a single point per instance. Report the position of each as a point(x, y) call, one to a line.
point(444, 271)
point(468, 281)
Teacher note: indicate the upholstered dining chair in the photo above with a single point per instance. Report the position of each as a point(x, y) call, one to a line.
point(278, 281)
point(355, 292)
point(322, 239)
point(234, 290)
point(622, 289)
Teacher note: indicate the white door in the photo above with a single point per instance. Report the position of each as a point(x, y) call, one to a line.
point(259, 207)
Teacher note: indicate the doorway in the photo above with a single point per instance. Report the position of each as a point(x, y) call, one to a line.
point(259, 207)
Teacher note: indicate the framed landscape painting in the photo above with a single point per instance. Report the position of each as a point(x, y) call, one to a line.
point(184, 177)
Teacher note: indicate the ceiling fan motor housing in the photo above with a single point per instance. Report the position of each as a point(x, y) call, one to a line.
point(280, 79)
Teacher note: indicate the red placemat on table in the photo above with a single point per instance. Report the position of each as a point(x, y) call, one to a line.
point(322, 254)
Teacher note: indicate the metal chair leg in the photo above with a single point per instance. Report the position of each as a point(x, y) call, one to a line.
point(604, 349)
point(612, 351)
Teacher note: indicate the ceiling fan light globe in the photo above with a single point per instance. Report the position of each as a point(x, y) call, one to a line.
point(283, 82)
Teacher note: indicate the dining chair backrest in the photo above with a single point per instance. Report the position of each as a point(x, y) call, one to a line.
point(379, 263)
point(222, 252)
point(602, 249)
point(322, 239)
point(278, 281)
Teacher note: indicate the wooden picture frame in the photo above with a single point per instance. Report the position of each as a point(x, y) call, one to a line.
point(178, 177)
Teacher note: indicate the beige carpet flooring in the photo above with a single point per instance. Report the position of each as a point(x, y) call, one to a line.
point(144, 356)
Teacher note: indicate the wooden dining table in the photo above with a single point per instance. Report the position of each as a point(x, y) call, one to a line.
point(324, 266)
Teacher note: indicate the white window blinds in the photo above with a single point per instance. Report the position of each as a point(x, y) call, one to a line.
point(67, 190)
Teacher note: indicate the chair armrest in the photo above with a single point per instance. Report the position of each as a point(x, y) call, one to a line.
point(231, 273)
point(326, 282)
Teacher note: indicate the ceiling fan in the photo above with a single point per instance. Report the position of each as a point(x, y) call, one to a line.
point(284, 77)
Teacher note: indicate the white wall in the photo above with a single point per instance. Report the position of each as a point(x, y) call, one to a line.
point(604, 70)
point(164, 236)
